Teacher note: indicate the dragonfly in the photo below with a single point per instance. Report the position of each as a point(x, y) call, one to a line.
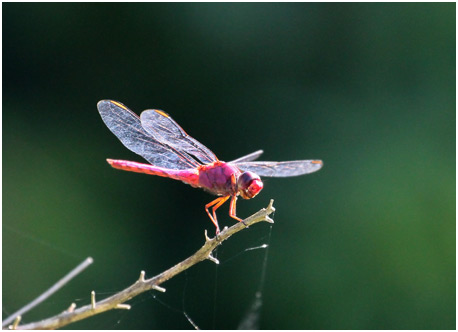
point(172, 153)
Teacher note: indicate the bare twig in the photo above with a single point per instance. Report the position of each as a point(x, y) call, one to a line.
point(142, 285)
point(73, 273)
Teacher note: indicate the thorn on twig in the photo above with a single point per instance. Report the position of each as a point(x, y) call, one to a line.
point(15, 323)
point(123, 306)
point(158, 288)
point(206, 236)
point(271, 205)
point(213, 259)
point(142, 276)
point(93, 300)
point(269, 220)
point(71, 308)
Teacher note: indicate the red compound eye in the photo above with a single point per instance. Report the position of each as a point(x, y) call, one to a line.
point(249, 185)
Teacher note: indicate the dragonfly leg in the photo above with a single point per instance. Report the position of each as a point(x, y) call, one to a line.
point(233, 204)
point(216, 204)
point(232, 209)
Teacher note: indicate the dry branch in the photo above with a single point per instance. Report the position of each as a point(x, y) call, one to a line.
point(16, 317)
point(116, 301)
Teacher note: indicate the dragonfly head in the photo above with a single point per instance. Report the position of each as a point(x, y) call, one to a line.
point(249, 185)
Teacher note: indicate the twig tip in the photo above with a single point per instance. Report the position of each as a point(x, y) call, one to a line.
point(15, 323)
point(142, 276)
point(93, 300)
point(213, 259)
point(123, 306)
point(271, 206)
point(158, 288)
point(269, 220)
point(206, 236)
point(71, 308)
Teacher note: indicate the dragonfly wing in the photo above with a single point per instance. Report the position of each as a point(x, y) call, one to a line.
point(163, 128)
point(280, 168)
point(127, 127)
point(248, 157)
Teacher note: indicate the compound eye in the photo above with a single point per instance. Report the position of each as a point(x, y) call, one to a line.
point(249, 185)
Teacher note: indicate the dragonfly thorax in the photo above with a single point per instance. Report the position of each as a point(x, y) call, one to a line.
point(249, 184)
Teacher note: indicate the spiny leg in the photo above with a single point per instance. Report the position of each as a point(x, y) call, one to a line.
point(232, 209)
point(215, 222)
point(216, 204)
point(223, 199)
point(232, 206)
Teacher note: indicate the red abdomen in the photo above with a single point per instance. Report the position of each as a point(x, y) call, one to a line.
point(188, 176)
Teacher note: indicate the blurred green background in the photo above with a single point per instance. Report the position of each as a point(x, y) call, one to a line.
point(368, 242)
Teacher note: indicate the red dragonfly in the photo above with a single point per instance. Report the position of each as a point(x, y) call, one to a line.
point(172, 153)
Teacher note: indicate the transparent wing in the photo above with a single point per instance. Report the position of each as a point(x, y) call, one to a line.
point(280, 168)
point(163, 128)
point(127, 127)
point(248, 157)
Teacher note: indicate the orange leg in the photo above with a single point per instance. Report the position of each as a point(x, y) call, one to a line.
point(233, 204)
point(232, 210)
point(216, 204)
